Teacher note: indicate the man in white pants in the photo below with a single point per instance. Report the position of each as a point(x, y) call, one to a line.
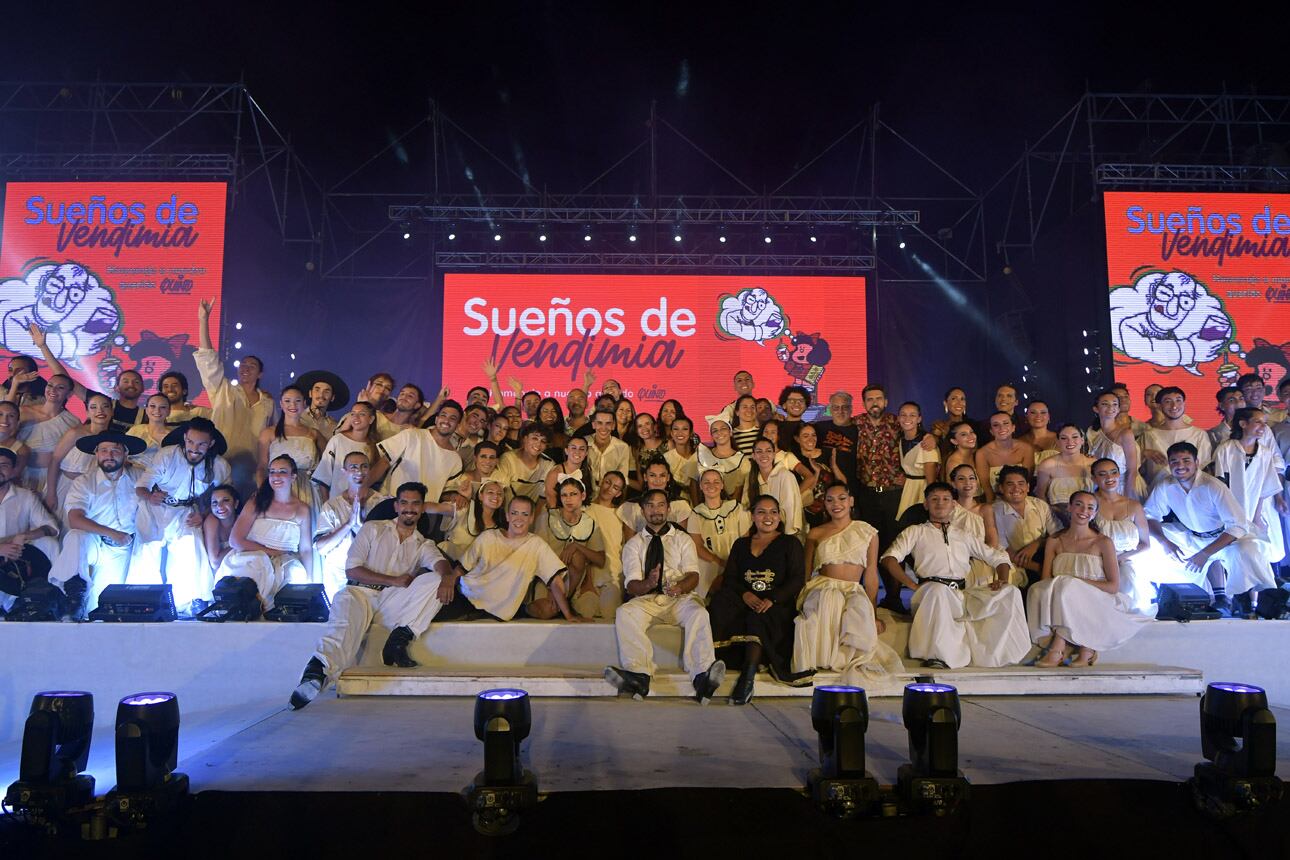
point(28, 534)
point(102, 507)
point(955, 624)
point(1197, 521)
point(661, 572)
point(341, 518)
point(172, 496)
point(394, 575)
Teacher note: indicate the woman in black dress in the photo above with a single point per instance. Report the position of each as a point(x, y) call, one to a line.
point(757, 600)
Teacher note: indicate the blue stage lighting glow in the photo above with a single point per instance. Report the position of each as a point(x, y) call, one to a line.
point(63, 694)
point(930, 688)
point(840, 688)
point(502, 695)
point(147, 699)
point(1225, 686)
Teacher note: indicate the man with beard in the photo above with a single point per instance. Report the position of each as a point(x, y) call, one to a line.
point(1176, 427)
point(28, 534)
point(101, 510)
point(174, 385)
point(172, 496)
point(341, 518)
point(470, 433)
point(424, 456)
point(326, 392)
point(394, 575)
point(126, 409)
point(240, 409)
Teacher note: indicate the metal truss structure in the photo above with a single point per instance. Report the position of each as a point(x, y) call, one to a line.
point(161, 131)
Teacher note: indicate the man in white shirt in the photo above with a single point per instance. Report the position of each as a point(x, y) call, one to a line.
point(606, 453)
point(1197, 521)
point(172, 497)
point(102, 507)
point(661, 573)
point(956, 625)
point(327, 392)
point(1176, 427)
point(28, 534)
point(340, 519)
point(424, 456)
point(240, 409)
point(394, 577)
point(173, 385)
point(1023, 523)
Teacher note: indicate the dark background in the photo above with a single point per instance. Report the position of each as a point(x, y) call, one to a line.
point(561, 91)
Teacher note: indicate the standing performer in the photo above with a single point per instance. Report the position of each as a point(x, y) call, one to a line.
point(657, 477)
point(153, 431)
point(239, 410)
point(1115, 441)
point(1123, 521)
point(1037, 434)
point(41, 427)
point(714, 525)
point(327, 392)
point(1251, 466)
point(956, 625)
point(291, 438)
point(424, 456)
point(1078, 600)
point(358, 435)
point(768, 478)
point(174, 385)
point(524, 471)
point(340, 519)
point(725, 458)
point(9, 420)
point(101, 507)
point(920, 463)
point(1002, 450)
point(1059, 476)
point(660, 569)
point(67, 462)
point(1176, 427)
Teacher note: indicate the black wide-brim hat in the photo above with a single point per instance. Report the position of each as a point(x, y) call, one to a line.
point(339, 390)
point(132, 444)
point(219, 445)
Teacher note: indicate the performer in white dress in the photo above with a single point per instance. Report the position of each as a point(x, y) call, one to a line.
point(217, 526)
point(956, 625)
point(272, 538)
point(573, 465)
point(1002, 450)
point(573, 535)
point(239, 409)
point(714, 525)
point(777, 481)
point(524, 471)
point(976, 518)
point(919, 464)
point(1115, 442)
point(153, 431)
point(657, 477)
point(42, 426)
point(1078, 601)
point(340, 519)
point(1058, 476)
point(837, 628)
point(293, 439)
point(682, 455)
point(725, 458)
point(1251, 466)
point(329, 474)
point(1207, 524)
point(1124, 522)
point(1036, 433)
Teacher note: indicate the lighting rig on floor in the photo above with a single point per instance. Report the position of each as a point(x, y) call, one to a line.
point(55, 750)
point(503, 789)
point(1238, 777)
point(147, 751)
point(931, 782)
point(841, 786)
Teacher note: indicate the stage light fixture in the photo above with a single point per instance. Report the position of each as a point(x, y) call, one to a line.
point(632, 233)
point(542, 233)
point(677, 233)
point(293, 374)
point(237, 344)
point(497, 237)
point(55, 749)
point(931, 782)
point(1236, 778)
point(765, 235)
point(407, 234)
point(237, 326)
point(452, 232)
point(901, 244)
point(586, 233)
point(237, 362)
point(503, 789)
point(147, 750)
point(841, 786)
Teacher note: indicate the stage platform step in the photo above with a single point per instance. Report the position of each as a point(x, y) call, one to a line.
point(557, 682)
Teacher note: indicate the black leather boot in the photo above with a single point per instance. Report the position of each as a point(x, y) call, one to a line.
point(395, 652)
point(743, 692)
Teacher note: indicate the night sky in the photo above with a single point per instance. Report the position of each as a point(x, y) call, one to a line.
point(563, 89)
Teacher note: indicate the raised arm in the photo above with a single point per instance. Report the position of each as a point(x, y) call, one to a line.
point(51, 361)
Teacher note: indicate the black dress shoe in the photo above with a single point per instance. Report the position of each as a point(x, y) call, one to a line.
point(311, 684)
point(634, 684)
point(395, 652)
point(1223, 605)
point(743, 692)
point(75, 589)
point(794, 679)
point(1243, 606)
point(707, 683)
point(893, 605)
point(933, 663)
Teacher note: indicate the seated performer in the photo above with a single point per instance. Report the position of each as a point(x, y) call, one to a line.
point(172, 492)
point(153, 431)
point(757, 601)
point(1023, 523)
point(1002, 451)
point(837, 628)
point(523, 471)
point(573, 535)
point(1251, 466)
point(271, 540)
point(101, 507)
point(28, 534)
point(661, 572)
point(486, 511)
point(604, 510)
point(1197, 520)
point(340, 519)
point(714, 525)
point(9, 419)
point(573, 465)
point(1065, 471)
point(1123, 521)
point(394, 578)
point(217, 526)
point(1078, 602)
point(956, 625)
point(657, 477)
point(769, 478)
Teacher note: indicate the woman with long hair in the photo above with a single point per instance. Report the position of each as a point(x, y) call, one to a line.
point(217, 526)
point(646, 443)
point(67, 463)
point(624, 419)
point(667, 413)
point(272, 539)
point(657, 477)
point(1036, 432)
point(486, 511)
point(974, 516)
point(962, 446)
point(292, 438)
point(682, 456)
point(920, 465)
point(758, 600)
point(42, 425)
point(1125, 522)
point(1057, 477)
point(604, 510)
point(1077, 602)
point(1002, 450)
point(1113, 440)
point(955, 405)
point(356, 433)
point(715, 523)
point(156, 413)
point(551, 416)
point(767, 478)
point(745, 429)
point(837, 627)
point(572, 534)
point(573, 465)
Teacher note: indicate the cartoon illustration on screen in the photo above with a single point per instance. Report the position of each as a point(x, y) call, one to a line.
point(804, 357)
point(66, 301)
point(1169, 319)
point(156, 355)
point(1271, 362)
point(752, 315)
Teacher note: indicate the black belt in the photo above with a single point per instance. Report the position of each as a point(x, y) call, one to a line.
point(179, 503)
point(1206, 535)
point(366, 585)
point(915, 477)
point(952, 583)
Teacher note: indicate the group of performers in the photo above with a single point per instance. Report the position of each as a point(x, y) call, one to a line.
point(772, 541)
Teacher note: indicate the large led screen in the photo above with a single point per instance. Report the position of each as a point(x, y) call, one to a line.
point(112, 273)
point(661, 337)
point(1200, 291)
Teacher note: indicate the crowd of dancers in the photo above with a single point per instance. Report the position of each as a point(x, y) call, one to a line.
point(771, 540)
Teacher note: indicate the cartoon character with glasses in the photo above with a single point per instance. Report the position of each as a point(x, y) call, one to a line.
point(1169, 319)
point(66, 301)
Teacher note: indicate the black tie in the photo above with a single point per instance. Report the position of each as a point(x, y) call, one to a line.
point(654, 553)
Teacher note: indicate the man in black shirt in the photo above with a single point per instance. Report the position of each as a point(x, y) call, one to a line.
point(840, 434)
point(126, 409)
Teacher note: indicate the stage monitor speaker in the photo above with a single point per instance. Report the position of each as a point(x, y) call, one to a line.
point(304, 602)
point(1184, 602)
point(1273, 603)
point(135, 603)
point(234, 598)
